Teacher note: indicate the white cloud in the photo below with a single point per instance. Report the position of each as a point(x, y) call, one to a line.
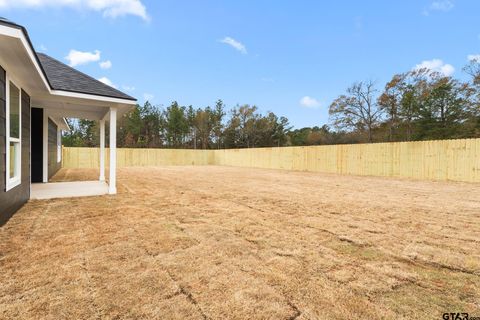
point(128, 88)
point(148, 96)
point(358, 22)
point(474, 57)
point(439, 5)
point(436, 65)
point(109, 8)
point(237, 45)
point(76, 57)
point(107, 81)
point(442, 5)
point(105, 64)
point(41, 47)
point(309, 102)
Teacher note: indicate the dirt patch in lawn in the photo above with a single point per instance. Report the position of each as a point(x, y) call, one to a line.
point(235, 243)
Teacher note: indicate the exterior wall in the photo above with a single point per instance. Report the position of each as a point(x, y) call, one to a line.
point(13, 200)
point(53, 165)
point(3, 141)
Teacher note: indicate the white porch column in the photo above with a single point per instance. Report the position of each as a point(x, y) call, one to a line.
point(112, 186)
point(102, 150)
point(45, 147)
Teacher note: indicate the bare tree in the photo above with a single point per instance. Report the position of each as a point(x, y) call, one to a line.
point(390, 102)
point(473, 69)
point(358, 109)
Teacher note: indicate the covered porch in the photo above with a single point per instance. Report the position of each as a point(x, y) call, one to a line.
point(89, 110)
point(68, 183)
point(53, 91)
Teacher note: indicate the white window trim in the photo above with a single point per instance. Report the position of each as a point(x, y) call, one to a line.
point(59, 145)
point(12, 182)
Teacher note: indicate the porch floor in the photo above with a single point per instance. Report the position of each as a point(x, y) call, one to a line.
point(53, 190)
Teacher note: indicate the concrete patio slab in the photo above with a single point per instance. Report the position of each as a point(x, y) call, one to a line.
point(41, 191)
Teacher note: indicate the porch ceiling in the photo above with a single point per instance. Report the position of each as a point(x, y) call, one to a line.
point(68, 108)
point(72, 107)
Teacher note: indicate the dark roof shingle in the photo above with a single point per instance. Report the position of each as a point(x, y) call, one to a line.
point(63, 77)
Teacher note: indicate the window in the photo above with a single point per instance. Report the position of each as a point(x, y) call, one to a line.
point(14, 135)
point(59, 145)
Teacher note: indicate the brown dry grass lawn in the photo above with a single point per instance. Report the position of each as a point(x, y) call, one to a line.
point(231, 243)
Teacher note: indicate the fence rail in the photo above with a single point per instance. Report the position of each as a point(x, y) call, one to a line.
point(455, 160)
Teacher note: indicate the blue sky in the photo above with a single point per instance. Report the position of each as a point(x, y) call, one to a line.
point(289, 57)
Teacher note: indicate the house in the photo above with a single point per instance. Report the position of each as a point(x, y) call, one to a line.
point(37, 93)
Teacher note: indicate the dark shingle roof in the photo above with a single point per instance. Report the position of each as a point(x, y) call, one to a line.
point(6, 20)
point(62, 77)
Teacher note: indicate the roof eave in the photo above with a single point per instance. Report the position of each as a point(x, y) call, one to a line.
point(50, 88)
point(27, 38)
point(89, 96)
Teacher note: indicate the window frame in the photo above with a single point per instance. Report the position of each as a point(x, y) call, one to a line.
point(11, 183)
point(59, 145)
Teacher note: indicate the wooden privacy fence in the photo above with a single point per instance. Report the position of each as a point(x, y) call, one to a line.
point(456, 160)
point(126, 157)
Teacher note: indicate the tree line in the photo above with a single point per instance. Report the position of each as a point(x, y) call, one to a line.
point(176, 126)
point(416, 105)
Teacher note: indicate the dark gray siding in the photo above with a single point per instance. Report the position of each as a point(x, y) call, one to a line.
point(13, 200)
point(53, 165)
point(2, 133)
